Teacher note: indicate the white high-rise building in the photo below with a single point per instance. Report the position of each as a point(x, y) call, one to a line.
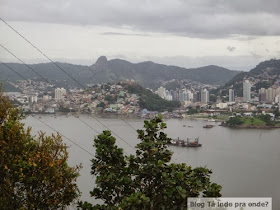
point(277, 99)
point(161, 92)
point(185, 95)
point(59, 94)
point(33, 99)
point(231, 97)
point(246, 90)
point(271, 93)
point(204, 96)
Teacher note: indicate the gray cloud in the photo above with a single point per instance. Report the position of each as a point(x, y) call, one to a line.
point(192, 18)
point(230, 48)
point(123, 34)
point(255, 55)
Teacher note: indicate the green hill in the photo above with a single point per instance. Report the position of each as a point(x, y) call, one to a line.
point(265, 73)
point(147, 74)
point(149, 100)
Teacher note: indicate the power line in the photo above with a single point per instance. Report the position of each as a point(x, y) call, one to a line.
point(71, 78)
point(12, 70)
point(28, 66)
point(65, 137)
point(127, 123)
point(42, 53)
point(113, 132)
point(79, 118)
point(46, 123)
point(36, 73)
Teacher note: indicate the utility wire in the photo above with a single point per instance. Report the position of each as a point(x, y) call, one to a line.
point(113, 132)
point(13, 70)
point(49, 125)
point(61, 70)
point(65, 137)
point(28, 66)
point(41, 52)
point(69, 76)
point(49, 82)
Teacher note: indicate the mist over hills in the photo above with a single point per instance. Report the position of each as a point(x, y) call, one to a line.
point(147, 74)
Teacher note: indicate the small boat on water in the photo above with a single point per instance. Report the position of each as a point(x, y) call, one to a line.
point(188, 143)
point(208, 126)
point(210, 120)
point(190, 126)
point(184, 125)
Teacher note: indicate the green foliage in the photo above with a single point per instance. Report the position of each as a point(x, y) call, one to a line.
point(192, 111)
point(253, 121)
point(151, 101)
point(172, 85)
point(101, 104)
point(213, 98)
point(234, 121)
point(266, 118)
point(146, 180)
point(263, 84)
point(147, 74)
point(260, 120)
point(277, 113)
point(110, 99)
point(65, 109)
point(270, 67)
point(34, 173)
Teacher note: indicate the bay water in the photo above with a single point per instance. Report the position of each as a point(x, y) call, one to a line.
point(246, 162)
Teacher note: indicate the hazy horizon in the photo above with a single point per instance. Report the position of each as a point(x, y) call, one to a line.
point(233, 34)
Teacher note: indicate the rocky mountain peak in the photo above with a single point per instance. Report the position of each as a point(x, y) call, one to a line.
point(101, 61)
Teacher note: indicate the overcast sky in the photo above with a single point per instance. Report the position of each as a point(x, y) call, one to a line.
point(236, 34)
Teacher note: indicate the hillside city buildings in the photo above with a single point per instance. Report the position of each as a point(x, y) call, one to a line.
point(246, 91)
point(40, 97)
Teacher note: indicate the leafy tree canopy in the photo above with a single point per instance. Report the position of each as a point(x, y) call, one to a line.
point(146, 180)
point(34, 173)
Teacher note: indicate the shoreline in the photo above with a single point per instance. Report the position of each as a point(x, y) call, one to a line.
point(252, 127)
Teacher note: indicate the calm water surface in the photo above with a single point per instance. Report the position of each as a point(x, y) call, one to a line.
point(245, 162)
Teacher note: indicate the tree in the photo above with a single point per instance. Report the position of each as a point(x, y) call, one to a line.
point(146, 180)
point(276, 112)
point(101, 104)
point(234, 121)
point(110, 99)
point(267, 119)
point(192, 111)
point(34, 173)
